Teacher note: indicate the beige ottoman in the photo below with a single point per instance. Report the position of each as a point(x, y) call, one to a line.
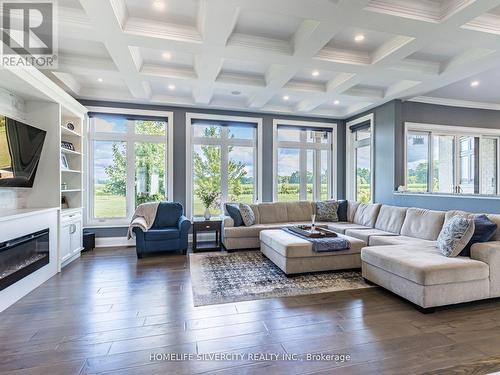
point(295, 255)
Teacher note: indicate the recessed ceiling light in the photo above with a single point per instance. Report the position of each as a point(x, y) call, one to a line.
point(315, 73)
point(159, 5)
point(286, 97)
point(359, 38)
point(171, 87)
point(336, 102)
point(236, 92)
point(100, 80)
point(166, 55)
point(474, 84)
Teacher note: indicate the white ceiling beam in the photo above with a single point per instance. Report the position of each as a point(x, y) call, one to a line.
point(216, 21)
point(108, 16)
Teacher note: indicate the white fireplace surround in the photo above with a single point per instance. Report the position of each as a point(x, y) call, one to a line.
point(20, 222)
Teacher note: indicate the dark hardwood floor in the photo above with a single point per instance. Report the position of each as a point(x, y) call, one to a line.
point(108, 312)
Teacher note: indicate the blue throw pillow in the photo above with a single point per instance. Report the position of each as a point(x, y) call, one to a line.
point(483, 232)
point(234, 211)
point(342, 210)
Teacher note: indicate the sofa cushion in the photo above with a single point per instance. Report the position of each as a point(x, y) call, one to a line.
point(455, 235)
point(252, 231)
point(299, 211)
point(352, 207)
point(450, 214)
point(391, 218)
point(341, 227)
point(247, 214)
point(422, 223)
point(484, 230)
point(273, 213)
point(234, 212)
point(327, 211)
point(496, 220)
point(366, 214)
point(365, 234)
point(424, 267)
point(400, 240)
point(291, 246)
point(167, 215)
point(161, 234)
point(342, 210)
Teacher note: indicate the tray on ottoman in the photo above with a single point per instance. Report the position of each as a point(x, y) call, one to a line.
point(318, 232)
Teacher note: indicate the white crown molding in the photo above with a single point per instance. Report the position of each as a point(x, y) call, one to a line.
point(455, 103)
point(343, 56)
point(259, 43)
point(153, 29)
point(488, 23)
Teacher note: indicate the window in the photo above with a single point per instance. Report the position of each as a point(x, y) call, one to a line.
point(128, 164)
point(359, 159)
point(303, 168)
point(223, 161)
point(456, 160)
point(418, 161)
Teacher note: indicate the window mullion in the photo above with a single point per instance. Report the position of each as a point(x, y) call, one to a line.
point(430, 171)
point(224, 152)
point(303, 166)
point(317, 175)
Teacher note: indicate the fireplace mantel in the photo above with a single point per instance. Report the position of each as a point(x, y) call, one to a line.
point(9, 214)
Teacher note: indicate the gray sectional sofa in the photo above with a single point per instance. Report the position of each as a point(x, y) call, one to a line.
point(400, 253)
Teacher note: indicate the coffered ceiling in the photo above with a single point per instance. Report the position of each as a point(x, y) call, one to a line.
point(331, 58)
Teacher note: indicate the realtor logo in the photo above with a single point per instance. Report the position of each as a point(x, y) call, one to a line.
point(29, 34)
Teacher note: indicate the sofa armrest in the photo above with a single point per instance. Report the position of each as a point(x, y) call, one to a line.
point(228, 222)
point(489, 253)
point(184, 224)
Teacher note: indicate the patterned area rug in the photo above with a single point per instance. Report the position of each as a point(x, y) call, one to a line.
point(248, 275)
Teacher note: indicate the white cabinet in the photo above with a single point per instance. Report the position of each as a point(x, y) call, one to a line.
point(70, 237)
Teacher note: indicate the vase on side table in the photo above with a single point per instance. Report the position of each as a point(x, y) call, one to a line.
point(206, 215)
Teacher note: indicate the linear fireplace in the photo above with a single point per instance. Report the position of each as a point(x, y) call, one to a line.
point(22, 256)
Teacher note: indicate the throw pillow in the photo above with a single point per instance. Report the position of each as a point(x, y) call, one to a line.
point(327, 211)
point(234, 211)
point(455, 235)
point(247, 214)
point(342, 210)
point(484, 229)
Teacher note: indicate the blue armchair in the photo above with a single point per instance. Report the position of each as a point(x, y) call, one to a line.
point(169, 231)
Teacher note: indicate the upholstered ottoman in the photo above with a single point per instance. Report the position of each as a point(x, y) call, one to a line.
point(295, 255)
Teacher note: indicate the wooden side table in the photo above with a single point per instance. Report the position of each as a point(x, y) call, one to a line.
point(204, 226)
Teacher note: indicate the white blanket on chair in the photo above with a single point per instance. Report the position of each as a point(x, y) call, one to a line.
point(144, 217)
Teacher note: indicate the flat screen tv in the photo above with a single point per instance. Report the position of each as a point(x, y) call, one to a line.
point(20, 149)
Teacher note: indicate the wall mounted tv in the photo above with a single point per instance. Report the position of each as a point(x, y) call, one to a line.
point(20, 149)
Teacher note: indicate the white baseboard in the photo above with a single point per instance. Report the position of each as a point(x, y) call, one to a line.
point(122, 241)
point(113, 241)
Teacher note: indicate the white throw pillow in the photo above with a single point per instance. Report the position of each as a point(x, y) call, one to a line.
point(455, 235)
point(247, 214)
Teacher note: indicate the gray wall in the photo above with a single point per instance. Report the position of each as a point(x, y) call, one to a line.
point(389, 151)
point(179, 193)
point(386, 119)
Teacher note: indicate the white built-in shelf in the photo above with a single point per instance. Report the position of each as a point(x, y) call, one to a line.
point(71, 191)
point(66, 131)
point(70, 152)
point(70, 171)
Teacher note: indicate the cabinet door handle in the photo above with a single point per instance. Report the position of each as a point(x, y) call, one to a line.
point(73, 229)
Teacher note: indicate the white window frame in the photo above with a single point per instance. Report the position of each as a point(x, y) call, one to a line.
point(303, 146)
point(457, 132)
point(224, 143)
point(351, 157)
point(130, 138)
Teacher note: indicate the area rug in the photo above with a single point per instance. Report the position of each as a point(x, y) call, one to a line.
point(248, 275)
